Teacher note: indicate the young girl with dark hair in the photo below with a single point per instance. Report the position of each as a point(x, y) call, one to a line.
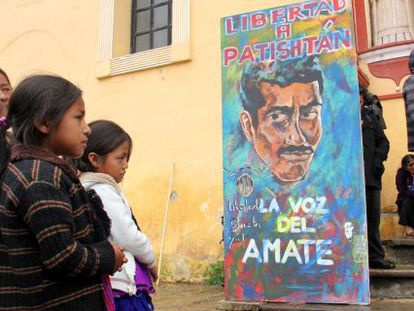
point(52, 254)
point(5, 92)
point(104, 165)
point(405, 198)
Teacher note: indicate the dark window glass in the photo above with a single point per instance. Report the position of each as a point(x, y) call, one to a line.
point(160, 38)
point(143, 42)
point(143, 3)
point(143, 21)
point(160, 2)
point(151, 24)
point(161, 16)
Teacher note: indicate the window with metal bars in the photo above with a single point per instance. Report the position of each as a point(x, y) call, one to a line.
point(151, 24)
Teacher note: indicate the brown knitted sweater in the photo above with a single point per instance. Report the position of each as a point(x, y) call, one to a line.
point(51, 257)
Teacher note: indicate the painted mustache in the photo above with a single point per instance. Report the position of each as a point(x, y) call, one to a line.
point(296, 149)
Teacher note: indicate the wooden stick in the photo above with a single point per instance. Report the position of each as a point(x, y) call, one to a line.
point(165, 223)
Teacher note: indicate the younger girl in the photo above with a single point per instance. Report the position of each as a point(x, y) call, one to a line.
point(51, 256)
point(104, 164)
point(405, 198)
point(5, 92)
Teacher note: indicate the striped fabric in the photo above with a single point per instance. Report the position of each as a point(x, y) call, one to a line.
point(408, 94)
point(51, 258)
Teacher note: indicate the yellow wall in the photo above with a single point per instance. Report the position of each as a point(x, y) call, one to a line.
point(173, 114)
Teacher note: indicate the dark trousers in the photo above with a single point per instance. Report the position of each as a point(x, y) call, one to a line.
point(375, 250)
point(406, 211)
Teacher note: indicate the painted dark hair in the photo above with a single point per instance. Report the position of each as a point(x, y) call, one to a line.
point(43, 99)
point(405, 160)
point(282, 73)
point(105, 137)
point(5, 75)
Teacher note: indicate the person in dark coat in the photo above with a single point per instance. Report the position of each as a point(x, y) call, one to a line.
point(408, 95)
point(376, 147)
point(405, 199)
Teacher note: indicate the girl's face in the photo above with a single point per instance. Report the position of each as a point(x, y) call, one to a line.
point(5, 93)
point(410, 166)
point(115, 163)
point(70, 137)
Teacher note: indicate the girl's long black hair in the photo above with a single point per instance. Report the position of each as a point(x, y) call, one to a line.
point(38, 99)
point(105, 137)
point(406, 159)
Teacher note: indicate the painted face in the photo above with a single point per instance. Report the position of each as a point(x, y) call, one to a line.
point(115, 163)
point(289, 128)
point(5, 93)
point(410, 166)
point(71, 135)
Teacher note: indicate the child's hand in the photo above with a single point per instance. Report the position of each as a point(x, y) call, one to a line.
point(154, 273)
point(120, 258)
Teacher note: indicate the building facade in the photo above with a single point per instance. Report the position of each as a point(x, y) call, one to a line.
point(154, 67)
point(384, 39)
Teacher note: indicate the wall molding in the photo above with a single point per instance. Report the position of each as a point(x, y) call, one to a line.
point(379, 53)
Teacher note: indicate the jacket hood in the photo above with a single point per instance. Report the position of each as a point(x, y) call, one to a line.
point(90, 179)
point(411, 61)
point(88, 184)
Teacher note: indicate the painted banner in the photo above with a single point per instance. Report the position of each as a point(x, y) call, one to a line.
point(294, 200)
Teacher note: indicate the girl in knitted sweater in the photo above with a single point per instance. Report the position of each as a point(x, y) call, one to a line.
point(53, 256)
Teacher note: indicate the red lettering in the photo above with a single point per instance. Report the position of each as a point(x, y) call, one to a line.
point(295, 48)
point(323, 44)
point(339, 5)
point(282, 51)
point(295, 13)
point(244, 23)
point(278, 15)
point(262, 47)
point(347, 41)
point(344, 39)
point(283, 31)
point(229, 26)
point(323, 6)
point(247, 54)
point(310, 7)
point(230, 54)
point(272, 51)
point(258, 20)
point(310, 44)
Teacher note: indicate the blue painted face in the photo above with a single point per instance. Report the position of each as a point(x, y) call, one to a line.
point(289, 128)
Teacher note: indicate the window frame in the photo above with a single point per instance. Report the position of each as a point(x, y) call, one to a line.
point(110, 65)
point(152, 29)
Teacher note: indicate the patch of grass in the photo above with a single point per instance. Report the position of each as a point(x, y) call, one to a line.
point(215, 273)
